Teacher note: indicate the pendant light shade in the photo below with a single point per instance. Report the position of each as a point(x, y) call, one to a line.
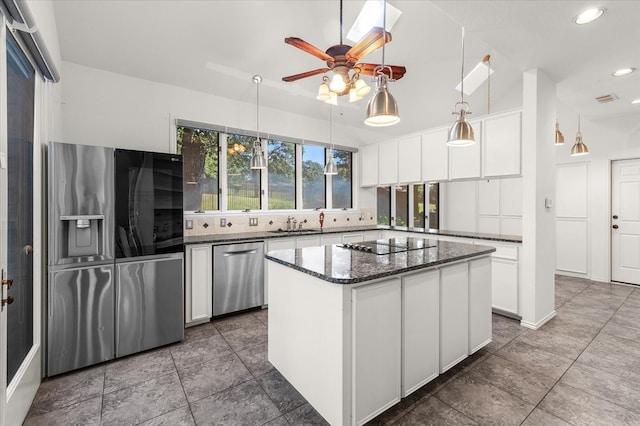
point(461, 133)
point(382, 109)
point(330, 167)
point(559, 135)
point(257, 158)
point(579, 148)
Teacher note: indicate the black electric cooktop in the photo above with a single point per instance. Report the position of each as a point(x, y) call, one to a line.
point(390, 246)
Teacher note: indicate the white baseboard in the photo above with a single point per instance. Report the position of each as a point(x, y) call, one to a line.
point(537, 325)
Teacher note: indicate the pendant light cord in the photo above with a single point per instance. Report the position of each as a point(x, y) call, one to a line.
point(340, 21)
point(462, 71)
point(257, 81)
point(384, 29)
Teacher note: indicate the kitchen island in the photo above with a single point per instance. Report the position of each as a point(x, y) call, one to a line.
point(354, 331)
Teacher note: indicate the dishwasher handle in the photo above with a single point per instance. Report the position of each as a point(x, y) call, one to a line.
point(240, 252)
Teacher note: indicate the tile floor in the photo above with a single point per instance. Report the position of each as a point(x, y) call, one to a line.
point(583, 367)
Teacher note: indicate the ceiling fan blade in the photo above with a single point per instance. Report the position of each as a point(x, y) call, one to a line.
point(368, 44)
point(295, 77)
point(303, 45)
point(369, 69)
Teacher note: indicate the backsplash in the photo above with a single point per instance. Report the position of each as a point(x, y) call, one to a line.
point(239, 222)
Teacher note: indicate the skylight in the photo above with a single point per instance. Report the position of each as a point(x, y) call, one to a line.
point(371, 16)
point(475, 78)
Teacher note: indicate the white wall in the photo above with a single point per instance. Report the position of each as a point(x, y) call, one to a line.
point(583, 239)
point(109, 109)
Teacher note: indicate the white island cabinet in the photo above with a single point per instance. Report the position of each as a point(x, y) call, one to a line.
point(198, 284)
point(355, 332)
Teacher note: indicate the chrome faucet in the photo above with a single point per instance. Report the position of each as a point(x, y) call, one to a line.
point(289, 219)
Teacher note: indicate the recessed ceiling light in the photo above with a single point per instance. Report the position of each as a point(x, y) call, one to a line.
point(623, 71)
point(635, 101)
point(589, 15)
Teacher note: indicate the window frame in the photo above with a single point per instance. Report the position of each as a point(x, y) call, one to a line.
point(264, 180)
point(410, 195)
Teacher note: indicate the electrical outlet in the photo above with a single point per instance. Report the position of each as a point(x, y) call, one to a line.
point(223, 222)
point(188, 224)
point(253, 221)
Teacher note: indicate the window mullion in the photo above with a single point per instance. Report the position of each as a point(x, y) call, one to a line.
point(222, 172)
point(298, 176)
point(328, 182)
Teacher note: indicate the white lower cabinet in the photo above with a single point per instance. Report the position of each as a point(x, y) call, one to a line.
point(480, 321)
point(308, 241)
point(454, 315)
point(420, 329)
point(505, 278)
point(281, 244)
point(353, 237)
point(376, 329)
point(198, 284)
point(331, 239)
point(372, 235)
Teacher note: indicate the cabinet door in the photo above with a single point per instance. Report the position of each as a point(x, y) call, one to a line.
point(435, 156)
point(501, 144)
point(352, 237)
point(420, 330)
point(331, 239)
point(504, 285)
point(409, 158)
point(388, 163)
point(198, 283)
point(376, 328)
point(281, 244)
point(372, 235)
point(479, 303)
point(464, 162)
point(308, 241)
point(369, 165)
point(454, 315)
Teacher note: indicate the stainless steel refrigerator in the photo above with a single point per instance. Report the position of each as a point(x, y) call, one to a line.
point(115, 254)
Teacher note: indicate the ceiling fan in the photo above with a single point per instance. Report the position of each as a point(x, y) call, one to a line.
point(342, 59)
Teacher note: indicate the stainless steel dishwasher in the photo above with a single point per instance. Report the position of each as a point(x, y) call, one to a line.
point(238, 277)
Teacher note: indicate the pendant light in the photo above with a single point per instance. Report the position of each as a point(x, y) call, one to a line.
point(330, 168)
point(559, 135)
point(461, 133)
point(382, 109)
point(257, 159)
point(579, 148)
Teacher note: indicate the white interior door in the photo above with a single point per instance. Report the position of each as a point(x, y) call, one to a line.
point(625, 221)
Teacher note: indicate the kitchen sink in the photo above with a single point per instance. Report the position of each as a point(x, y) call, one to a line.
point(297, 231)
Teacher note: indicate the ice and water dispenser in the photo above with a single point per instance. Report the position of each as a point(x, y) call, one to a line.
point(84, 235)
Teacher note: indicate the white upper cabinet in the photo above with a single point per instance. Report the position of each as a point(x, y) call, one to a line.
point(369, 165)
point(388, 163)
point(464, 162)
point(435, 156)
point(502, 139)
point(409, 168)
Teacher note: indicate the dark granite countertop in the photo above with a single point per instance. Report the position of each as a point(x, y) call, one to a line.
point(263, 235)
point(343, 266)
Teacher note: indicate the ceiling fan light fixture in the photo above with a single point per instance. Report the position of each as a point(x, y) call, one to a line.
point(323, 92)
point(353, 95)
point(333, 98)
point(362, 88)
point(337, 84)
point(559, 135)
point(382, 109)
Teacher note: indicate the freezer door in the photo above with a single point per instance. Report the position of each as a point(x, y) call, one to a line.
point(80, 318)
point(149, 304)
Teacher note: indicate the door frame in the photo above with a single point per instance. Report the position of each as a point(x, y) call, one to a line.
point(16, 397)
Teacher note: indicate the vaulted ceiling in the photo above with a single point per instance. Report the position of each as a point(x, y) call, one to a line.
point(216, 46)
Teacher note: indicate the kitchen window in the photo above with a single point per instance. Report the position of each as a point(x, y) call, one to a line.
point(407, 205)
point(243, 183)
point(313, 178)
point(341, 187)
point(281, 166)
point(217, 158)
point(199, 148)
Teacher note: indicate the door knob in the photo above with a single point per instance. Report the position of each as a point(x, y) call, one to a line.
point(7, 301)
point(7, 282)
point(28, 249)
point(615, 226)
point(615, 216)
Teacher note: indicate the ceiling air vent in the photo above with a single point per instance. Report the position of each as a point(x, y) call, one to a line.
point(607, 98)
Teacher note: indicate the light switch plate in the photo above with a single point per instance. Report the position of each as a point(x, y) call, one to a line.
point(253, 221)
point(188, 224)
point(548, 202)
point(223, 222)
